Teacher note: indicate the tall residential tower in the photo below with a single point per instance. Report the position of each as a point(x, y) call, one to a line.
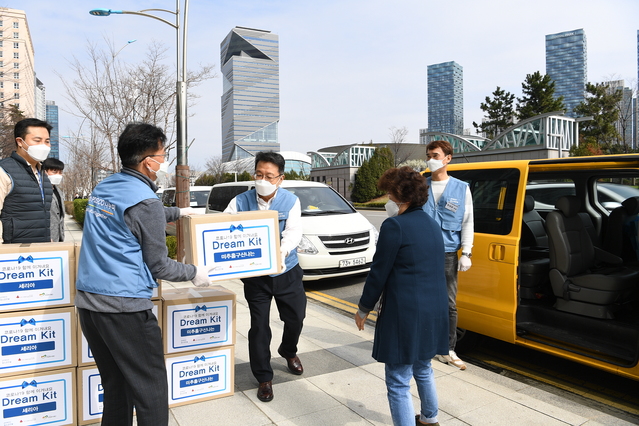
point(17, 72)
point(446, 98)
point(566, 65)
point(251, 93)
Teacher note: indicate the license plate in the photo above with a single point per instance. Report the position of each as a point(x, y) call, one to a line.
point(352, 262)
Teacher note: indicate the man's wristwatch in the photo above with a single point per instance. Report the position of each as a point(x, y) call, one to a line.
point(468, 255)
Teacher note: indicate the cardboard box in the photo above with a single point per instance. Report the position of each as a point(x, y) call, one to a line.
point(90, 395)
point(37, 340)
point(44, 398)
point(85, 356)
point(198, 318)
point(37, 275)
point(200, 375)
point(240, 245)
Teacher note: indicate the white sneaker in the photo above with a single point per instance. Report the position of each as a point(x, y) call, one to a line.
point(443, 358)
point(453, 359)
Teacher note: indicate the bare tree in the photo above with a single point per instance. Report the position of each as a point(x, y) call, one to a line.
point(84, 163)
point(398, 146)
point(107, 94)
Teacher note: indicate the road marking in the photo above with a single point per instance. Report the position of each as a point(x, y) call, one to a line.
point(338, 303)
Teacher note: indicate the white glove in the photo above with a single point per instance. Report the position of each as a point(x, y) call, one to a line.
point(201, 278)
point(464, 263)
point(283, 258)
point(186, 211)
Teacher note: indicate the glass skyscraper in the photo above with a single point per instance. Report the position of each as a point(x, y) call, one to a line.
point(446, 98)
point(251, 93)
point(566, 65)
point(52, 119)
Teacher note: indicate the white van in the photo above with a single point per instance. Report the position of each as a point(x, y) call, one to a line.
point(198, 197)
point(337, 240)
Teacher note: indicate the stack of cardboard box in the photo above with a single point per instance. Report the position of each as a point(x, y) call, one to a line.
point(37, 334)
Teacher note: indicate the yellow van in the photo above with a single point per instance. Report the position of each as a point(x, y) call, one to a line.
point(555, 258)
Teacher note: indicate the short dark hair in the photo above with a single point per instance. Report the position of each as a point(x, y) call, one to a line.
point(405, 184)
point(20, 130)
point(271, 157)
point(445, 146)
point(52, 164)
point(139, 140)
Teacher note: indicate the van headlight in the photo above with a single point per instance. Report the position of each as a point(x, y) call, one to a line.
point(374, 235)
point(306, 246)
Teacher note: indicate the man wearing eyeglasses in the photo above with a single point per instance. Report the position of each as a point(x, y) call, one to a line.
point(123, 254)
point(286, 287)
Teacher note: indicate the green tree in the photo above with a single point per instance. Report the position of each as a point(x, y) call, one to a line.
point(293, 175)
point(9, 116)
point(206, 180)
point(600, 104)
point(365, 187)
point(538, 96)
point(499, 113)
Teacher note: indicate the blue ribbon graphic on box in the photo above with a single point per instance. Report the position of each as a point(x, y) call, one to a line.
point(54, 393)
point(202, 308)
point(213, 377)
point(28, 275)
point(25, 322)
point(239, 248)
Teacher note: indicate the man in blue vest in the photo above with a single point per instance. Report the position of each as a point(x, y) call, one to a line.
point(450, 203)
point(25, 190)
point(123, 253)
point(287, 287)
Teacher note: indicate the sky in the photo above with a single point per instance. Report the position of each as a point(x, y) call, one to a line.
point(349, 69)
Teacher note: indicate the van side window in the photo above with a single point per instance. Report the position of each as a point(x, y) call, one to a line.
point(494, 196)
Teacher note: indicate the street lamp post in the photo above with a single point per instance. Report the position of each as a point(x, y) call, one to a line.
point(182, 173)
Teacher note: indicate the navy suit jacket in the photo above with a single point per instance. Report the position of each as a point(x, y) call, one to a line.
point(408, 274)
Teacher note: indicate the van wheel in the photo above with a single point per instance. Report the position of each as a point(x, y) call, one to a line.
point(466, 340)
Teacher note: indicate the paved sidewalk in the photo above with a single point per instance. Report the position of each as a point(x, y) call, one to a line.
point(343, 385)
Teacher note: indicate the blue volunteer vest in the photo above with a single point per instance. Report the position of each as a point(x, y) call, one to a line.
point(111, 261)
point(283, 203)
point(449, 211)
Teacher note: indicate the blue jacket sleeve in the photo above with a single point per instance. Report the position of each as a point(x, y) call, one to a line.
point(390, 239)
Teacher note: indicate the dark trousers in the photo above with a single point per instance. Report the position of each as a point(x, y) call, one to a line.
point(450, 271)
point(290, 298)
point(127, 348)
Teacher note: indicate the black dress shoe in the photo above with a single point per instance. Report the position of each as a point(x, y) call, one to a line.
point(265, 391)
point(294, 364)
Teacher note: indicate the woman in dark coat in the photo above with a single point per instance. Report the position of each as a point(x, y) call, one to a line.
point(408, 274)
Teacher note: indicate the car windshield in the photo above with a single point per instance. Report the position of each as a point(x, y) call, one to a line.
point(320, 200)
point(198, 198)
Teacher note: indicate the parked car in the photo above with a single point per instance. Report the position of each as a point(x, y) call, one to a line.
point(198, 197)
point(337, 240)
point(541, 279)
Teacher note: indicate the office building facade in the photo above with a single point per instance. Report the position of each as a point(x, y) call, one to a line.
point(251, 95)
point(446, 98)
point(566, 64)
point(17, 72)
point(52, 119)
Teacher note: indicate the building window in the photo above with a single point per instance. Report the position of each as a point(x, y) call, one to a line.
point(0, 43)
point(17, 105)
point(16, 55)
point(16, 65)
point(16, 96)
point(16, 75)
point(16, 45)
point(16, 35)
point(16, 25)
point(2, 64)
point(1, 34)
point(1, 95)
point(1, 76)
point(1, 24)
point(1, 84)
point(16, 86)
point(0, 53)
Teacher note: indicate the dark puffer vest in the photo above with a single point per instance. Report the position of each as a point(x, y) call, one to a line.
point(25, 216)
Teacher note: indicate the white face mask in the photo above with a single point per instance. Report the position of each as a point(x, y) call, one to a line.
point(434, 165)
point(162, 171)
point(37, 152)
point(55, 179)
point(264, 187)
point(392, 208)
